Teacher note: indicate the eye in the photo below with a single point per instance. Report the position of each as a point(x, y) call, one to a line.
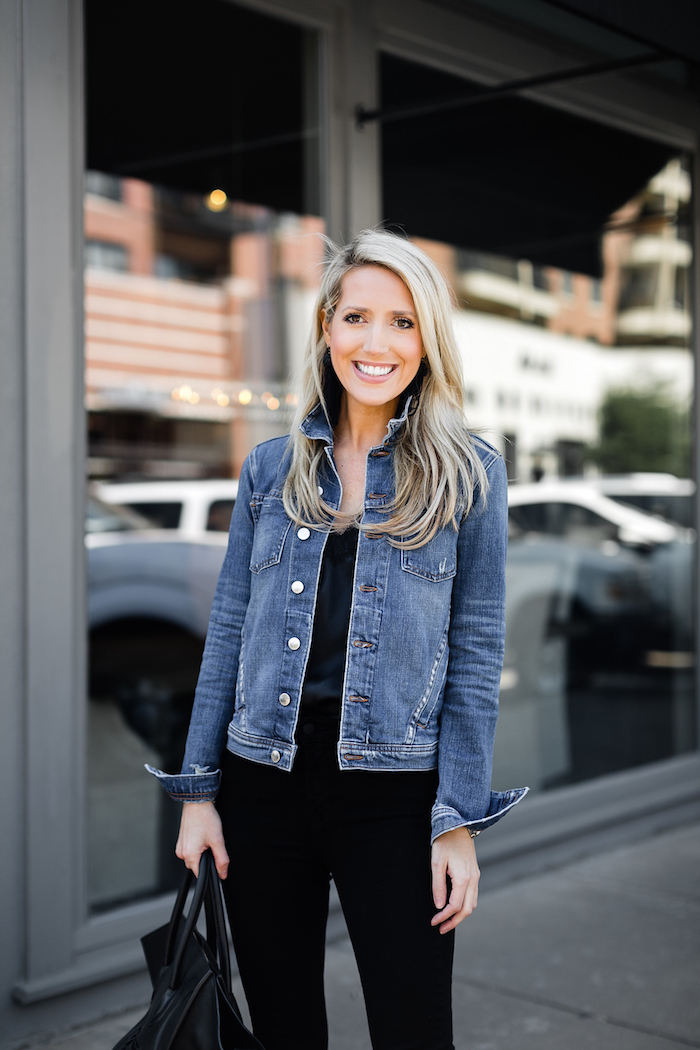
point(405, 323)
point(352, 318)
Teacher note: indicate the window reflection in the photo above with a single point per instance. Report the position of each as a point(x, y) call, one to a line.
point(202, 242)
point(584, 383)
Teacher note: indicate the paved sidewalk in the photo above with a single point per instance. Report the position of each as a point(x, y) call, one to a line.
point(603, 954)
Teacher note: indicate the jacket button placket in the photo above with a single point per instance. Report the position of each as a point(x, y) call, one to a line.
point(307, 545)
point(373, 554)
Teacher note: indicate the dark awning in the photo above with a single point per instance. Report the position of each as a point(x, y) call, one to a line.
point(211, 100)
point(512, 177)
point(673, 25)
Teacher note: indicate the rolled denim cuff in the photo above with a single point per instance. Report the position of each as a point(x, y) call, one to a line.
point(189, 787)
point(445, 818)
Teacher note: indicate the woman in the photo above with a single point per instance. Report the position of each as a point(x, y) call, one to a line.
point(352, 667)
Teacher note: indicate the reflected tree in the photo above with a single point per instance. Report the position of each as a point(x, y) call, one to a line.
point(642, 431)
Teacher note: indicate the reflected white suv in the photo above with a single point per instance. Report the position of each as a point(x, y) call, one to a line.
point(580, 512)
point(188, 507)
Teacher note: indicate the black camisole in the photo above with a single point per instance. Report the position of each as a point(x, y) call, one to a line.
point(323, 684)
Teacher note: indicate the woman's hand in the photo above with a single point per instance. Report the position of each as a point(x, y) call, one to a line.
point(453, 854)
point(200, 829)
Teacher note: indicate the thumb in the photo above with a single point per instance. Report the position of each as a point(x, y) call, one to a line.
point(221, 858)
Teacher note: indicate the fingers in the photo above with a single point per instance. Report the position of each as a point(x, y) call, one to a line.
point(439, 870)
point(200, 829)
point(460, 905)
point(221, 858)
point(453, 855)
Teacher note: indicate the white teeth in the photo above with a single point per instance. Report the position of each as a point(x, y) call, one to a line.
point(375, 370)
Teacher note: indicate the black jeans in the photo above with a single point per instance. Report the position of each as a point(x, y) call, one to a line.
point(287, 835)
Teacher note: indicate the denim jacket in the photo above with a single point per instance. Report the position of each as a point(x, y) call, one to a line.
point(424, 649)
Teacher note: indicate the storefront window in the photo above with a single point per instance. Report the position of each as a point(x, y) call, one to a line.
point(568, 283)
point(202, 243)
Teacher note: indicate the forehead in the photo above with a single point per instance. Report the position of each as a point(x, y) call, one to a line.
point(373, 285)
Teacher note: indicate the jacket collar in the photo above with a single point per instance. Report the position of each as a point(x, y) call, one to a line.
point(316, 425)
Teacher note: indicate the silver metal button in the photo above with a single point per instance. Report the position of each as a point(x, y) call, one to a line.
point(320, 490)
point(285, 699)
point(303, 533)
point(275, 755)
point(293, 643)
point(297, 586)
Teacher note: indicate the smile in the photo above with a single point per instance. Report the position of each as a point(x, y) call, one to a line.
point(374, 370)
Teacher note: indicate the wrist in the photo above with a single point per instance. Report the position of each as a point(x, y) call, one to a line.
point(460, 832)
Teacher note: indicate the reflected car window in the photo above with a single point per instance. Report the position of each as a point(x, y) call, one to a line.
point(678, 509)
point(219, 517)
point(581, 525)
point(575, 523)
point(163, 515)
point(530, 517)
point(107, 517)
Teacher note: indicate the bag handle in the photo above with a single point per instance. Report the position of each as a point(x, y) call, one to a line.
point(207, 893)
point(176, 917)
point(190, 922)
point(214, 896)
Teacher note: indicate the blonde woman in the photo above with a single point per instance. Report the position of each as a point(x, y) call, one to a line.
point(344, 717)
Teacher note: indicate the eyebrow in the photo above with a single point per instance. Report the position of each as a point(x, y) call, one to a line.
point(394, 313)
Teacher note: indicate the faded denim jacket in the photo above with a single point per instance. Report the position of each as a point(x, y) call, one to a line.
point(424, 649)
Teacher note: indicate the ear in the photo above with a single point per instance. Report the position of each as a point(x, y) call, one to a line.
point(326, 326)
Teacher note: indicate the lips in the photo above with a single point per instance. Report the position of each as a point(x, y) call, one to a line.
point(375, 371)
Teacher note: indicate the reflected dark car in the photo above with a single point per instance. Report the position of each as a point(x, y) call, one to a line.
point(149, 596)
point(599, 645)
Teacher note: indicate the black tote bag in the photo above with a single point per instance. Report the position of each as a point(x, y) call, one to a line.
point(193, 1006)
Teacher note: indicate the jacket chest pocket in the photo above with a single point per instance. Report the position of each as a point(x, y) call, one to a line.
point(435, 561)
point(271, 528)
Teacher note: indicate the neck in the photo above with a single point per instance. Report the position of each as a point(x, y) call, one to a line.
point(361, 427)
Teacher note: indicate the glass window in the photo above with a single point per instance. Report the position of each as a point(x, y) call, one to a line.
point(639, 286)
point(219, 517)
point(103, 185)
point(202, 216)
point(103, 255)
point(599, 661)
point(164, 515)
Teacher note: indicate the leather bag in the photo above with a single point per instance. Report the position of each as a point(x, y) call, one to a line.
point(193, 1006)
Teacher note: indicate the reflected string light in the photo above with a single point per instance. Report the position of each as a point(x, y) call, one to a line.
point(265, 396)
point(245, 397)
point(216, 200)
point(272, 403)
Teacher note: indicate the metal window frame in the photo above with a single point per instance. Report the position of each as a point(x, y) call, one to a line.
point(64, 949)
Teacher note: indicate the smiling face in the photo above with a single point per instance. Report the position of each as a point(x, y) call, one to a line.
point(374, 338)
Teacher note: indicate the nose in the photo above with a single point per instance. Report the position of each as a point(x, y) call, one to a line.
point(375, 341)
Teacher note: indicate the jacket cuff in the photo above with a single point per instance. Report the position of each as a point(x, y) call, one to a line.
point(445, 818)
point(189, 787)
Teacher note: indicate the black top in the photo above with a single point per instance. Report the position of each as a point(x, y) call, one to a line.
point(323, 684)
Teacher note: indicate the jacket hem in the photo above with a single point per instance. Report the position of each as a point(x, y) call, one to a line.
point(446, 818)
point(265, 751)
point(398, 758)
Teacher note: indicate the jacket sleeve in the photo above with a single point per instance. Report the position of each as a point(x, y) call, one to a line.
point(199, 778)
point(476, 644)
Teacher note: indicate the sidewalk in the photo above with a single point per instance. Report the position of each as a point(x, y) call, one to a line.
point(603, 954)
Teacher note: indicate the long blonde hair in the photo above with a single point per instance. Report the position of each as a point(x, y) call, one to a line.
point(437, 468)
